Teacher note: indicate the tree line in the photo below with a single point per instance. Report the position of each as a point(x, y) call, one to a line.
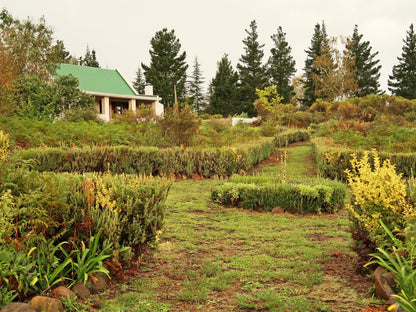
point(329, 74)
point(29, 58)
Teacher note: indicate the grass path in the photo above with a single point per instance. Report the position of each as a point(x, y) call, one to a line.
point(212, 258)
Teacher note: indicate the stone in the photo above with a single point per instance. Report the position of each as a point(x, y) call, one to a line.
point(383, 289)
point(97, 282)
point(62, 292)
point(46, 304)
point(18, 307)
point(81, 291)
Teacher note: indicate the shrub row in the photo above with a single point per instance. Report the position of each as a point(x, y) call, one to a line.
point(71, 207)
point(296, 198)
point(333, 161)
point(150, 160)
point(292, 136)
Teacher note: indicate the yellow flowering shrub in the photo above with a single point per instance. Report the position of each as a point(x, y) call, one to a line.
point(4, 146)
point(379, 194)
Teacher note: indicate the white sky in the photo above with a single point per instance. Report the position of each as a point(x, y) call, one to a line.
point(120, 31)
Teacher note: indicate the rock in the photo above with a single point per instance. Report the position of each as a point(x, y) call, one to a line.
point(383, 289)
point(81, 291)
point(97, 282)
point(62, 292)
point(17, 307)
point(46, 304)
point(278, 210)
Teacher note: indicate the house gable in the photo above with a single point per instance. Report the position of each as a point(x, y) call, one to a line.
point(97, 80)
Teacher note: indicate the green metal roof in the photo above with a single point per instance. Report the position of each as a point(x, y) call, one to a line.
point(97, 80)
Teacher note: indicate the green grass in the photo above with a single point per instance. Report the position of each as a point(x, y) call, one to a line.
point(212, 258)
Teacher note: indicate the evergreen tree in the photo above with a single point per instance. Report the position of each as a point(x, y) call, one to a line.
point(252, 73)
point(139, 83)
point(195, 88)
point(223, 89)
point(319, 47)
point(403, 80)
point(367, 70)
point(281, 66)
point(90, 59)
point(167, 68)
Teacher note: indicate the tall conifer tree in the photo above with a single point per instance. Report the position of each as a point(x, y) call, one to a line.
point(90, 59)
point(167, 69)
point(281, 65)
point(195, 88)
point(139, 83)
point(223, 89)
point(403, 80)
point(252, 73)
point(319, 47)
point(365, 65)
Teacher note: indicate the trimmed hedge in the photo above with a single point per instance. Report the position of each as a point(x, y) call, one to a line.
point(333, 161)
point(292, 136)
point(150, 160)
point(297, 198)
point(129, 209)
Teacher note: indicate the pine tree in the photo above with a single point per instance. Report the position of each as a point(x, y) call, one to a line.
point(281, 65)
point(167, 68)
point(403, 80)
point(252, 73)
point(367, 70)
point(319, 46)
point(223, 89)
point(90, 59)
point(195, 88)
point(139, 83)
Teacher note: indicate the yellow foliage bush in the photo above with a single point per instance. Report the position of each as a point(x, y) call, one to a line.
point(379, 194)
point(4, 146)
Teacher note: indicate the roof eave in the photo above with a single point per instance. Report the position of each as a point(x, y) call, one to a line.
point(125, 96)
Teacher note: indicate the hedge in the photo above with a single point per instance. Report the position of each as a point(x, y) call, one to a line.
point(292, 136)
point(205, 162)
point(297, 198)
point(333, 161)
point(129, 209)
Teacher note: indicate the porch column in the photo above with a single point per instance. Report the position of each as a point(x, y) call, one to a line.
point(132, 105)
point(106, 108)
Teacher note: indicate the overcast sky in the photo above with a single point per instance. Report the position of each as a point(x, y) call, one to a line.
point(120, 31)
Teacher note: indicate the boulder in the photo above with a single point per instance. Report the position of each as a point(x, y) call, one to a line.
point(17, 307)
point(81, 291)
point(97, 282)
point(46, 304)
point(62, 292)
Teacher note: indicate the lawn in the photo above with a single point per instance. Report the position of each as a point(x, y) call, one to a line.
point(212, 258)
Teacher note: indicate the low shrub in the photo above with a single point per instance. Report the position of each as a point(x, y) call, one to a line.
point(150, 160)
point(333, 161)
point(297, 198)
point(72, 207)
point(379, 195)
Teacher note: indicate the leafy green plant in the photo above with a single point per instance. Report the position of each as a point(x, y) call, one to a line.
point(400, 261)
point(51, 270)
point(89, 259)
point(17, 271)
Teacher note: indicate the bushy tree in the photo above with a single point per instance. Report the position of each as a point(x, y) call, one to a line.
point(281, 66)
point(195, 89)
point(167, 69)
point(40, 100)
point(334, 76)
point(364, 63)
point(90, 59)
point(403, 80)
point(223, 89)
point(319, 47)
point(251, 71)
point(139, 83)
point(29, 45)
